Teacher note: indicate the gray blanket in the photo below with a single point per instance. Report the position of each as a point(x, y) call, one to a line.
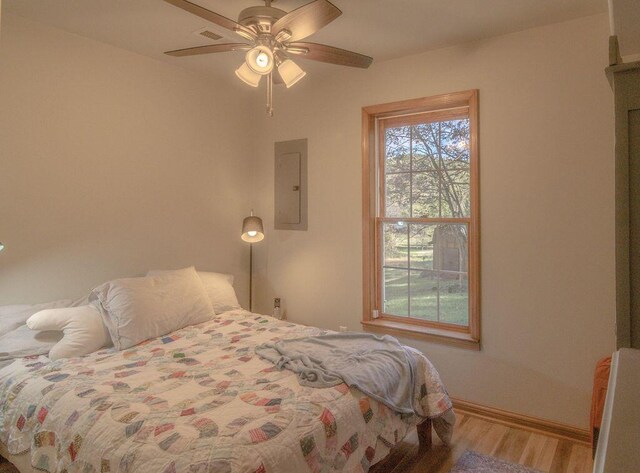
point(380, 367)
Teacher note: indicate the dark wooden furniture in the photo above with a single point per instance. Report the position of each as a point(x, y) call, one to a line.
point(424, 434)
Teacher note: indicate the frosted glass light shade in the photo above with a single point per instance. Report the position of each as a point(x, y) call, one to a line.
point(252, 231)
point(260, 60)
point(290, 72)
point(246, 75)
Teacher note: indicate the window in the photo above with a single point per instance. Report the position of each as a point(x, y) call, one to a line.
point(421, 218)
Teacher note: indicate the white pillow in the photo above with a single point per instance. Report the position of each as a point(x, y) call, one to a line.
point(137, 309)
point(14, 316)
point(84, 331)
point(219, 289)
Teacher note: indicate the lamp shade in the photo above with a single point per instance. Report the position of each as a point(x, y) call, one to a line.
point(260, 60)
point(246, 75)
point(252, 231)
point(290, 72)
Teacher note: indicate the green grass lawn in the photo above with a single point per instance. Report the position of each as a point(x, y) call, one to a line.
point(454, 301)
point(420, 259)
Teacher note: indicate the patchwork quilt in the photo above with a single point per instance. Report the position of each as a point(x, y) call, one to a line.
point(198, 400)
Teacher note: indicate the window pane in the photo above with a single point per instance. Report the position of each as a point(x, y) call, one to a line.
point(450, 259)
point(457, 175)
point(424, 147)
point(454, 145)
point(396, 291)
point(421, 238)
point(450, 249)
point(397, 145)
point(396, 244)
point(398, 195)
point(425, 194)
point(456, 200)
point(454, 298)
point(424, 295)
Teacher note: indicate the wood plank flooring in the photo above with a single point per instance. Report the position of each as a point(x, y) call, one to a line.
point(535, 450)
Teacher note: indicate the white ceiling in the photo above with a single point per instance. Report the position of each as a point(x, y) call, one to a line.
point(383, 29)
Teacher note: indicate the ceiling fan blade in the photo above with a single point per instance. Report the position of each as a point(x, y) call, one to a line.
point(210, 16)
point(324, 53)
point(208, 49)
point(307, 19)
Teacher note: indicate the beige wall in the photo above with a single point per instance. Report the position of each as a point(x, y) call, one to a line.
point(547, 200)
point(112, 163)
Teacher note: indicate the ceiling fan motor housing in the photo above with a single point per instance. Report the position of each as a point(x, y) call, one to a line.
point(262, 18)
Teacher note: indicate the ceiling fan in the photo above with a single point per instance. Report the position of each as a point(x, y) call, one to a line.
point(270, 37)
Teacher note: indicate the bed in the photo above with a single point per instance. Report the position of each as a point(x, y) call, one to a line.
point(199, 400)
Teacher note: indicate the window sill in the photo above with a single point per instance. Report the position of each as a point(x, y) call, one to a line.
point(445, 337)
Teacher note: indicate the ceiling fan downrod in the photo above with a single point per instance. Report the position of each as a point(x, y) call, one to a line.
point(270, 94)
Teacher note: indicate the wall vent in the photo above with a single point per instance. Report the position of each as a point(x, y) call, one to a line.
point(207, 33)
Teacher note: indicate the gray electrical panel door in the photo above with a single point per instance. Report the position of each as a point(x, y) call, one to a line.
point(290, 191)
point(288, 188)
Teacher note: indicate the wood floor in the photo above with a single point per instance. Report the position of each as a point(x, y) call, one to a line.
point(538, 451)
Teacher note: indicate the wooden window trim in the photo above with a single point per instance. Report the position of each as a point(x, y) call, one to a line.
point(446, 106)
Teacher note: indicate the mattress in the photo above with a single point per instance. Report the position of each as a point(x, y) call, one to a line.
point(198, 399)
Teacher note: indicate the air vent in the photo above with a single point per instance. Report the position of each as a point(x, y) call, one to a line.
point(207, 33)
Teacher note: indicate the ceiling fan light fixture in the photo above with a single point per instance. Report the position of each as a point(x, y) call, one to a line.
point(246, 75)
point(260, 60)
point(290, 72)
